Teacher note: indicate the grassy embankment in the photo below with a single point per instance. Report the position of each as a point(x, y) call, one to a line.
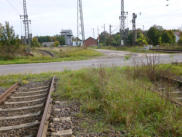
point(116, 98)
point(60, 54)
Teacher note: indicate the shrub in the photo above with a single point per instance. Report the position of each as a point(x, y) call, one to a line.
point(10, 45)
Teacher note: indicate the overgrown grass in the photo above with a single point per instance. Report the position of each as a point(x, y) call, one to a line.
point(125, 103)
point(112, 96)
point(176, 69)
point(9, 80)
point(61, 54)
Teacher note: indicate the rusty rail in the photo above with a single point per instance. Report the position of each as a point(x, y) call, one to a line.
point(44, 122)
point(8, 92)
point(174, 79)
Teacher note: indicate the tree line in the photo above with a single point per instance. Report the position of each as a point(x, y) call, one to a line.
point(156, 35)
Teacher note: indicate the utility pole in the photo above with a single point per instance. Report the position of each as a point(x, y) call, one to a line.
point(93, 33)
point(110, 30)
point(80, 21)
point(27, 36)
point(104, 27)
point(98, 31)
point(122, 23)
point(134, 28)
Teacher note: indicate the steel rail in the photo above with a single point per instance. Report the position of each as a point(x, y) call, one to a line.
point(167, 50)
point(8, 92)
point(44, 123)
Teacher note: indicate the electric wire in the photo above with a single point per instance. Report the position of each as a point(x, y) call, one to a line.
point(12, 6)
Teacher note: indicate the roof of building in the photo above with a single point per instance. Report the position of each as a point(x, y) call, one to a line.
point(91, 38)
point(67, 32)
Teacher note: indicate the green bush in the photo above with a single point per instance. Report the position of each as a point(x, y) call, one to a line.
point(10, 45)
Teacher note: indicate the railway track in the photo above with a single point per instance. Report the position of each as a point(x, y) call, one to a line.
point(24, 111)
point(175, 96)
point(167, 50)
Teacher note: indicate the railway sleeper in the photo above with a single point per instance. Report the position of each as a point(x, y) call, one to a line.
point(20, 116)
point(179, 99)
point(31, 96)
point(63, 133)
point(27, 125)
point(31, 92)
point(22, 108)
point(24, 102)
point(42, 87)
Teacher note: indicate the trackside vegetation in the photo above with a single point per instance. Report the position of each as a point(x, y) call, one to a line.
point(116, 98)
point(127, 104)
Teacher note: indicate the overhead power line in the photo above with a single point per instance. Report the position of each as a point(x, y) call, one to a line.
point(13, 7)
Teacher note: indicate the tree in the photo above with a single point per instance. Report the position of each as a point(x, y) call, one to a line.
point(9, 42)
point(168, 37)
point(104, 38)
point(141, 39)
point(56, 43)
point(35, 42)
point(60, 38)
point(154, 35)
point(116, 39)
point(180, 40)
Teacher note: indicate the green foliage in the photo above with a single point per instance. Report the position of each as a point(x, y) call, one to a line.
point(109, 40)
point(35, 42)
point(42, 39)
point(168, 37)
point(9, 42)
point(154, 35)
point(59, 38)
point(141, 39)
point(180, 41)
point(56, 43)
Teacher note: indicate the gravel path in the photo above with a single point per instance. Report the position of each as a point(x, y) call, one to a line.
point(110, 58)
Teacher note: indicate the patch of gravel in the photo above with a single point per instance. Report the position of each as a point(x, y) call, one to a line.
point(1, 90)
point(72, 109)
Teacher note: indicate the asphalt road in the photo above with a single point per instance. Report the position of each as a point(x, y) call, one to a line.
point(111, 58)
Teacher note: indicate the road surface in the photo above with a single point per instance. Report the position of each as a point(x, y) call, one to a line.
point(110, 58)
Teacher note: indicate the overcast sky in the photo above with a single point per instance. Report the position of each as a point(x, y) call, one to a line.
point(49, 17)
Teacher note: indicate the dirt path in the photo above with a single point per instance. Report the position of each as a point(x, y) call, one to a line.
point(111, 58)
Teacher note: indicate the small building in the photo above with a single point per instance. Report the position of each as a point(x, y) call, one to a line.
point(90, 42)
point(48, 44)
point(68, 37)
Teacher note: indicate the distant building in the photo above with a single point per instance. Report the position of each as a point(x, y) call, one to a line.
point(177, 35)
point(77, 43)
point(90, 42)
point(68, 37)
point(48, 44)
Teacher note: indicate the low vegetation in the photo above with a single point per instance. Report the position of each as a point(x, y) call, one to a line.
point(127, 103)
point(116, 98)
point(59, 54)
